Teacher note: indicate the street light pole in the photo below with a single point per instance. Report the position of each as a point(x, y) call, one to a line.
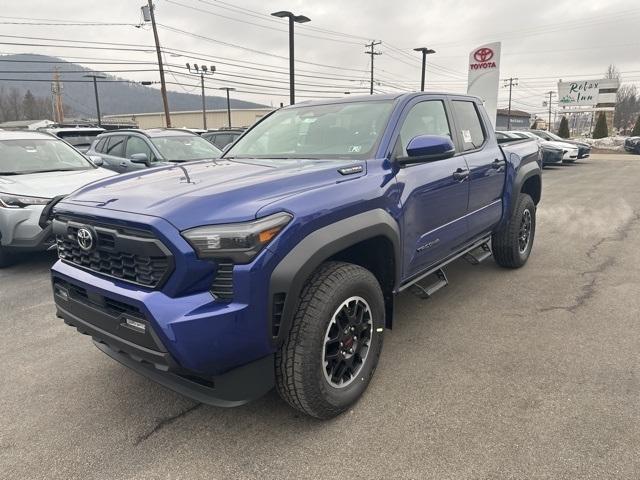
point(425, 51)
point(228, 89)
point(95, 90)
point(202, 71)
point(292, 19)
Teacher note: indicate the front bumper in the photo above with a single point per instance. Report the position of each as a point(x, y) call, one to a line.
point(20, 229)
point(126, 333)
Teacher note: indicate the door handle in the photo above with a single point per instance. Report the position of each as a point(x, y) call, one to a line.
point(461, 174)
point(497, 163)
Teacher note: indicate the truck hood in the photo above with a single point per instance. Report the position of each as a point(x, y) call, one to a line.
point(209, 192)
point(51, 184)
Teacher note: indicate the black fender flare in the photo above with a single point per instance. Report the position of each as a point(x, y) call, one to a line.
point(290, 275)
point(524, 173)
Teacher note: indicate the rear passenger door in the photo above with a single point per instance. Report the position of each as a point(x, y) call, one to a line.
point(486, 164)
point(113, 153)
point(434, 201)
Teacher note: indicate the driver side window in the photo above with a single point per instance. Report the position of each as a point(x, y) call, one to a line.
point(424, 118)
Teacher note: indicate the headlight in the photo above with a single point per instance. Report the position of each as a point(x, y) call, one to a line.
point(8, 200)
point(240, 242)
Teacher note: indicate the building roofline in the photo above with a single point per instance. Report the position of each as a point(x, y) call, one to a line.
point(218, 110)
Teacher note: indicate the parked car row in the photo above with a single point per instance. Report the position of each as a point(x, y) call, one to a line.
point(129, 150)
point(37, 169)
point(555, 149)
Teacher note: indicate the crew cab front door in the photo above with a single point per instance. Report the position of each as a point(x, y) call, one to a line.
point(434, 195)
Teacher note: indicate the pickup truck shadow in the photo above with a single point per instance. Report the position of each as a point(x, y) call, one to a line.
point(131, 396)
point(30, 263)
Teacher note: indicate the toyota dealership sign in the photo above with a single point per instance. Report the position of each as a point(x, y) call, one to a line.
point(484, 76)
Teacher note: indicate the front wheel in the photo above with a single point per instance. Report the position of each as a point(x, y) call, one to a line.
point(335, 341)
point(513, 242)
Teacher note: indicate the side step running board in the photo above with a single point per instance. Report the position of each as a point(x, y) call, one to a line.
point(426, 290)
point(478, 255)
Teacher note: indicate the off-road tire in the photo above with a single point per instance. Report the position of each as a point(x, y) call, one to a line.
point(505, 242)
point(300, 376)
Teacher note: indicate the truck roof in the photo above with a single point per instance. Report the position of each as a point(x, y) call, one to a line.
point(376, 97)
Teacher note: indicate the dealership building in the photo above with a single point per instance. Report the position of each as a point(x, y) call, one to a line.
point(193, 118)
point(519, 120)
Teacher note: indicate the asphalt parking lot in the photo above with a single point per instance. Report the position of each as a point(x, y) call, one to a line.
point(533, 373)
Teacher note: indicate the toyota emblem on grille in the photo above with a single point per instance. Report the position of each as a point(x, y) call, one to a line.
point(85, 239)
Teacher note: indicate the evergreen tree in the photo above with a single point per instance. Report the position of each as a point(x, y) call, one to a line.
point(636, 129)
point(601, 130)
point(563, 131)
point(29, 107)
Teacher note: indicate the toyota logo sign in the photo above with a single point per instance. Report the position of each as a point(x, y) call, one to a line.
point(483, 54)
point(85, 239)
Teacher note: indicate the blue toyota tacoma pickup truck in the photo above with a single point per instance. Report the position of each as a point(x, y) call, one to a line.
point(277, 264)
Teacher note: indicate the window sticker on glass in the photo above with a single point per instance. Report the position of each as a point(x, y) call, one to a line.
point(466, 136)
point(355, 148)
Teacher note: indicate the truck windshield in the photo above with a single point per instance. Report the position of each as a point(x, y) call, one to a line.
point(335, 131)
point(39, 155)
point(185, 148)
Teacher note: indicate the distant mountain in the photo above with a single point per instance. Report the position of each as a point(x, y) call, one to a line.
point(115, 98)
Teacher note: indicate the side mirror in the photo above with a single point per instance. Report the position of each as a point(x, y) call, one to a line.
point(139, 158)
point(428, 148)
point(96, 160)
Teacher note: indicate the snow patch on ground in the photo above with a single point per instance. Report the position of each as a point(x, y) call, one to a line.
point(607, 143)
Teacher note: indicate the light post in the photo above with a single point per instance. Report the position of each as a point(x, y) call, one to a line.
point(228, 89)
point(425, 51)
point(292, 19)
point(202, 71)
point(95, 90)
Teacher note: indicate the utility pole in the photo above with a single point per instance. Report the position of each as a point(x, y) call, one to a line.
point(228, 89)
point(292, 20)
point(372, 52)
point(551, 93)
point(202, 71)
point(56, 90)
point(95, 90)
point(510, 82)
point(425, 51)
point(148, 14)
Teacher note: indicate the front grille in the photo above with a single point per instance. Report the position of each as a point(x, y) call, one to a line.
point(129, 255)
point(222, 286)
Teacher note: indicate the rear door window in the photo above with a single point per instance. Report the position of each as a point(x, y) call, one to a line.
point(100, 145)
point(469, 123)
point(115, 146)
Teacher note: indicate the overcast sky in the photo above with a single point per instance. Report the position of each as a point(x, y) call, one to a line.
point(542, 41)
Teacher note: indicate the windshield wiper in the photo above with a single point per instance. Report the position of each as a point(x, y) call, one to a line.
point(11, 173)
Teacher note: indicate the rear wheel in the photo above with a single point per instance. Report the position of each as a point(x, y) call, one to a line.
point(335, 341)
point(513, 242)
